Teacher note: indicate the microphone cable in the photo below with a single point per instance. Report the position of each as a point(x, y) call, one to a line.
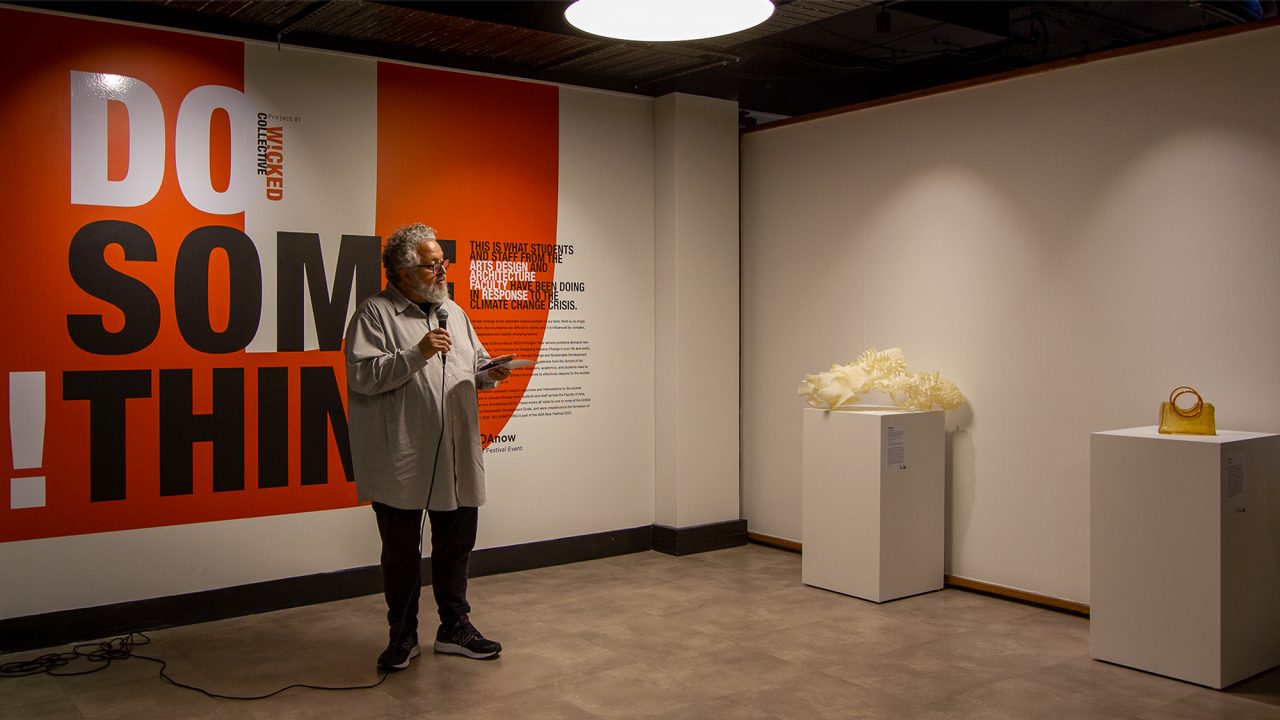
point(105, 652)
point(435, 464)
point(422, 523)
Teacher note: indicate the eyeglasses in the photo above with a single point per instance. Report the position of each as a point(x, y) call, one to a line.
point(435, 267)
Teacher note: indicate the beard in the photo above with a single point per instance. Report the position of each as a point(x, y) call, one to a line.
point(430, 292)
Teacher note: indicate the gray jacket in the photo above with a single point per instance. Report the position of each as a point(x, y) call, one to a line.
point(394, 406)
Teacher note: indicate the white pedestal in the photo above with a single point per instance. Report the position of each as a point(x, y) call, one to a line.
point(873, 502)
point(1185, 553)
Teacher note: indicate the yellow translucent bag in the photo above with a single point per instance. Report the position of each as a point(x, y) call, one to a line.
point(1194, 420)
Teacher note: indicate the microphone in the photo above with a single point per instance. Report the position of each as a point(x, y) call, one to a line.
point(442, 317)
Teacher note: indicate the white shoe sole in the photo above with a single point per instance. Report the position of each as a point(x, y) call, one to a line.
point(415, 652)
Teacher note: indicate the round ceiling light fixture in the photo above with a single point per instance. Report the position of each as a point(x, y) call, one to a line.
point(666, 20)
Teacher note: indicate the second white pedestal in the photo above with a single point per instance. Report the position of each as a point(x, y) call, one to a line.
point(1186, 553)
point(874, 502)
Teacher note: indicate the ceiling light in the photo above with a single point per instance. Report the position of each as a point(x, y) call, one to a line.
point(666, 20)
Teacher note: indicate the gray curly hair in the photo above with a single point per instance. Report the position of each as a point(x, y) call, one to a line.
point(401, 249)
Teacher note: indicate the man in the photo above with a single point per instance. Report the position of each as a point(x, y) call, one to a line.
point(415, 440)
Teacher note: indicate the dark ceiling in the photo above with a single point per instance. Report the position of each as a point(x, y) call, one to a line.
point(812, 55)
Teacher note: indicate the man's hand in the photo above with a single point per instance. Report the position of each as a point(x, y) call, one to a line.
point(436, 341)
point(499, 373)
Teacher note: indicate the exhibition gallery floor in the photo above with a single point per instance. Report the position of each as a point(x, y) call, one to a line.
point(725, 635)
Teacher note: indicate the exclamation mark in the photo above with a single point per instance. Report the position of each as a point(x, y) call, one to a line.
point(26, 436)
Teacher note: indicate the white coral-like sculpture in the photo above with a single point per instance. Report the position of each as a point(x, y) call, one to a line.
point(885, 371)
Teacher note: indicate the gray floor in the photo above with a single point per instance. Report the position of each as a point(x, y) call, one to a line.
point(723, 635)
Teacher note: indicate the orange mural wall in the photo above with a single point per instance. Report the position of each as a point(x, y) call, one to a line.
point(493, 183)
point(130, 398)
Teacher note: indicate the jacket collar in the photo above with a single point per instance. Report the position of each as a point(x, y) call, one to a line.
point(398, 299)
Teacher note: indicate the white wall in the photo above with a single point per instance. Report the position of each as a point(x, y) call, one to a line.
point(590, 472)
point(696, 305)
point(593, 471)
point(1068, 247)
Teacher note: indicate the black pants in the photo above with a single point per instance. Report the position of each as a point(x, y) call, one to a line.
point(453, 535)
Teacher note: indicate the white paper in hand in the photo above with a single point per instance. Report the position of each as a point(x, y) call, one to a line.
point(508, 361)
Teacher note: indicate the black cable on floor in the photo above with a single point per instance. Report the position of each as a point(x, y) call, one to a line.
point(106, 652)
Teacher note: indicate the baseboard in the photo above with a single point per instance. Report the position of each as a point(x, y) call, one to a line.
point(67, 626)
point(774, 542)
point(62, 627)
point(953, 581)
point(1022, 596)
point(699, 538)
point(561, 551)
